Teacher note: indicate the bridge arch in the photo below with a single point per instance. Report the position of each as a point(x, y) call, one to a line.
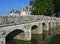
point(34, 29)
point(43, 24)
point(13, 33)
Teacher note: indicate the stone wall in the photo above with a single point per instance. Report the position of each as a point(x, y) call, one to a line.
point(23, 19)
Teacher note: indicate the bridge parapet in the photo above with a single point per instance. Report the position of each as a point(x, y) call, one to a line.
point(23, 19)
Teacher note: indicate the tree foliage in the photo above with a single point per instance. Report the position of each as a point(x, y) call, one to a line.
point(42, 7)
point(57, 5)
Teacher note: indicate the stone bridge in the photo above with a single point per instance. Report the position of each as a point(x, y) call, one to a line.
point(43, 25)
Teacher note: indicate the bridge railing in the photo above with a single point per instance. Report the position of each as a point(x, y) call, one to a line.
point(11, 20)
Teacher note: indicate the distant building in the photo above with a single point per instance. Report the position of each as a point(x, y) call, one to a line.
point(24, 11)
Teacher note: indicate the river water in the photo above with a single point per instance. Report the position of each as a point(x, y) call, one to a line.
point(36, 39)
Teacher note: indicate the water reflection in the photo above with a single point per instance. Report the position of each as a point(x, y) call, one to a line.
point(36, 39)
point(18, 42)
point(55, 40)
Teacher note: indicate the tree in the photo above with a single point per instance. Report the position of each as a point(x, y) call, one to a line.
point(42, 7)
point(57, 7)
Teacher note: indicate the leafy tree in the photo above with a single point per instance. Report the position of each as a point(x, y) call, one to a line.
point(45, 7)
point(57, 5)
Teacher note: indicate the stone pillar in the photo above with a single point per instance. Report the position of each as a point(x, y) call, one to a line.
point(54, 27)
point(51, 24)
point(47, 26)
point(28, 35)
point(2, 40)
point(40, 28)
point(54, 24)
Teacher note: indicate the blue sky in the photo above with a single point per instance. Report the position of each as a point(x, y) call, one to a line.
point(7, 5)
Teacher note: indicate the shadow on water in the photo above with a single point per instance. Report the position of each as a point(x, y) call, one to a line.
point(55, 40)
point(18, 42)
point(36, 39)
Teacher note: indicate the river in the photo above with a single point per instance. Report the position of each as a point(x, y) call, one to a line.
point(35, 40)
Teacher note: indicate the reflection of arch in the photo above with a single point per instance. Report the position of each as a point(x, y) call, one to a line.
point(34, 27)
point(49, 23)
point(49, 28)
point(12, 34)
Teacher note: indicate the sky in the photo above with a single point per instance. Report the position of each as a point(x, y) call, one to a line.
point(7, 5)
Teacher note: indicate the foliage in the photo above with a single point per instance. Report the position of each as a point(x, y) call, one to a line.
point(42, 7)
point(57, 5)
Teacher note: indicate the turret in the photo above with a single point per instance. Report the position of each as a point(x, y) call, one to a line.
point(12, 12)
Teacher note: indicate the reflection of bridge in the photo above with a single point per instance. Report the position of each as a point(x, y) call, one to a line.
point(9, 24)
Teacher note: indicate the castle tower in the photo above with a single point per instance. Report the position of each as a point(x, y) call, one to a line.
point(22, 8)
point(23, 11)
point(12, 12)
point(29, 11)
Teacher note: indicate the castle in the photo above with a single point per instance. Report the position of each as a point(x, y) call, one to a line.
point(24, 11)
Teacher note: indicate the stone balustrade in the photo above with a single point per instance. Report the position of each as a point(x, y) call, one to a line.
point(24, 19)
